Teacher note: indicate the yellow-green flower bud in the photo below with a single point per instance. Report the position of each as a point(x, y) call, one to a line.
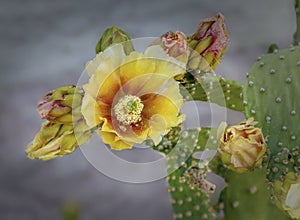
point(174, 44)
point(114, 35)
point(286, 195)
point(55, 140)
point(60, 105)
point(242, 146)
point(208, 42)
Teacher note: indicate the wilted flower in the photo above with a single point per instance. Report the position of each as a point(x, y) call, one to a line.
point(55, 140)
point(174, 44)
point(132, 98)
point(196, 178)
point(61, 105)
point(242, 146)
point(287, 196)
point(208, 42)
point(114, 35)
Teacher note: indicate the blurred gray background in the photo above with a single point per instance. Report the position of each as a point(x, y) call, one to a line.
point(44, 44)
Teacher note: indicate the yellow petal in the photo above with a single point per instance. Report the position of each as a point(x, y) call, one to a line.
point(109, 88)
point(136, 68)
point(154, 60)
point(168, 63)
point(104, 82)
point(161, 105)
point(89, 105)
point(158, 128)
point(114, 141)
point(106, 61)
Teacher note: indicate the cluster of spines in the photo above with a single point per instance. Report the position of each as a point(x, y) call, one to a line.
point(287, 160)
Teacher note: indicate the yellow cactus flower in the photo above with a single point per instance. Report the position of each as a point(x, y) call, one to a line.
point(242, 146)
point(132, 97)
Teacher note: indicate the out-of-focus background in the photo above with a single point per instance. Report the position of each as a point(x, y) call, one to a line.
point(45, 44)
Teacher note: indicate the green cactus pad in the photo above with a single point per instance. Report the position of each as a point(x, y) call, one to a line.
point(271, 96)
point(246, 197)
point(178, 146)
point(206, 139)
point(216, 89)
point(188, 203)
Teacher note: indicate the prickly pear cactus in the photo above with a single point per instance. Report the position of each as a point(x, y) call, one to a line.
point(216, 89)
point(271, 96)
point(246, 197)
point(188, 201)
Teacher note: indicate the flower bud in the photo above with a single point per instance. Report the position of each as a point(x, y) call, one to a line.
point(242, 146)
point(208, 42)
point(114, 35)
point(61, 104)
point(286, 195)
point(174, 44)
point(55, 140)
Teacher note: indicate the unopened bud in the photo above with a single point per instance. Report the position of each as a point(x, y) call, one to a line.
point(114, 35)
point(174, 44)
point(60, 105)
point(54, 140)
point(209, 42)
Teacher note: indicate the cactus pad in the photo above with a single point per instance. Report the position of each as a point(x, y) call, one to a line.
point(188, 202)
point(216, 89)
point(271, 96)
point(246, 197)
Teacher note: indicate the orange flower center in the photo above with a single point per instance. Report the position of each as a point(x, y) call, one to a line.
point(128, 110)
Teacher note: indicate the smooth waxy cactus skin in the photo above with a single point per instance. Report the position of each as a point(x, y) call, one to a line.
point(271, 97)
point(246, 197)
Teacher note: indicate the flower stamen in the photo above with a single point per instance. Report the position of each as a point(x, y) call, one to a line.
point(128, 110)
